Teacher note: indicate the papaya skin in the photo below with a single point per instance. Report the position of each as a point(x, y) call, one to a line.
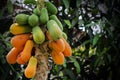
point(51, 8)
point(54, 17)
point(16, 29)
point(31, 68)
point(58, 57)
point(26, 53)
point(67, 51)
point(48, 35)
point(21, 19)
point(38, 35)
point(19, 41)
point(44, 16)
point(54, 30)
point(11, 57)
point(33, 20)
point(57, 45)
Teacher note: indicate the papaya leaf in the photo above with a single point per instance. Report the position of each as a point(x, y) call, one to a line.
point(10, 7)
point(29, 1)
point(68, 23)
point(74, 21)
point(78, 3)
point(69, 73)
point(76, 64)
point(95, 39)
point(66, 3)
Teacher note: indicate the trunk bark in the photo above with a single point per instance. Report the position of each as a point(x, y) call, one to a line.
point(41, 53)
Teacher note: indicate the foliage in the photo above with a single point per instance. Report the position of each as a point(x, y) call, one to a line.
point(93, 32)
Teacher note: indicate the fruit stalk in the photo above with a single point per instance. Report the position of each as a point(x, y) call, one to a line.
point(41, 53)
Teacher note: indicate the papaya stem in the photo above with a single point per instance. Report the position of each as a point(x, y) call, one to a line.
point(40, 3)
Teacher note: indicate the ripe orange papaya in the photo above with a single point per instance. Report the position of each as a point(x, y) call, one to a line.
point(67, 51)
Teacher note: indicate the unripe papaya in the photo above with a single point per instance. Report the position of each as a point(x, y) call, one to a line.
point(31, 68)
point(38, 35)
point(15, 29)
point(64, 35)
point(51, 8)
point(33, 20)
point(22, 19)
point(54, 30)
point(44, 16)
point(54, 17)
point(36, 11)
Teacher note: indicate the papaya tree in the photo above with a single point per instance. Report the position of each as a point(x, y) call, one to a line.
point(92, 29)
point(36, 37)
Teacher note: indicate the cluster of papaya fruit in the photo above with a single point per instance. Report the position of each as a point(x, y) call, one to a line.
point(28, 30)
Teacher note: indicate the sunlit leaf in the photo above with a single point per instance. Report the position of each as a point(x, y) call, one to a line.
point(68, 23)
point(95, 39)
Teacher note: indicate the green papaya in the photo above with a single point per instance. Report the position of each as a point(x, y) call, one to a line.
point(54, 17)
point(36, 11)
point(54, 30)
point(22, 19)
point(38, 35)
point(33, 20)
point(51, 8)
point(44, 16)
point(64, 35)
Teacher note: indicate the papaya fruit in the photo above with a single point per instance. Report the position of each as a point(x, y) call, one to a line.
point(21, 19)
point(19, 41)
point(19, 59)
point(64, 35)
point(36, 11)
point(33, 20)
point(11, 57)
point(58, 57)
point(54, 17)
point(44, 16)
point(67, 51)
point(26, 53)
point(38, 35)
point(51, 8)
point(48, 35)
point(30, 70)
point(54, 30)
point(57, 45)
point(16, 29)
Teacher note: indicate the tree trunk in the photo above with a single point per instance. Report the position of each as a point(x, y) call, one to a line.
point(41, 53)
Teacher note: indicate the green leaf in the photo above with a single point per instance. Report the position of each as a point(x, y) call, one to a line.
point(10, 7)
point(76, 64)
point(69, 73)
point(95, 39)
point(29, 1)
point(68, 23)
point(74, 21)
point(78, 3)
point(66, 3)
